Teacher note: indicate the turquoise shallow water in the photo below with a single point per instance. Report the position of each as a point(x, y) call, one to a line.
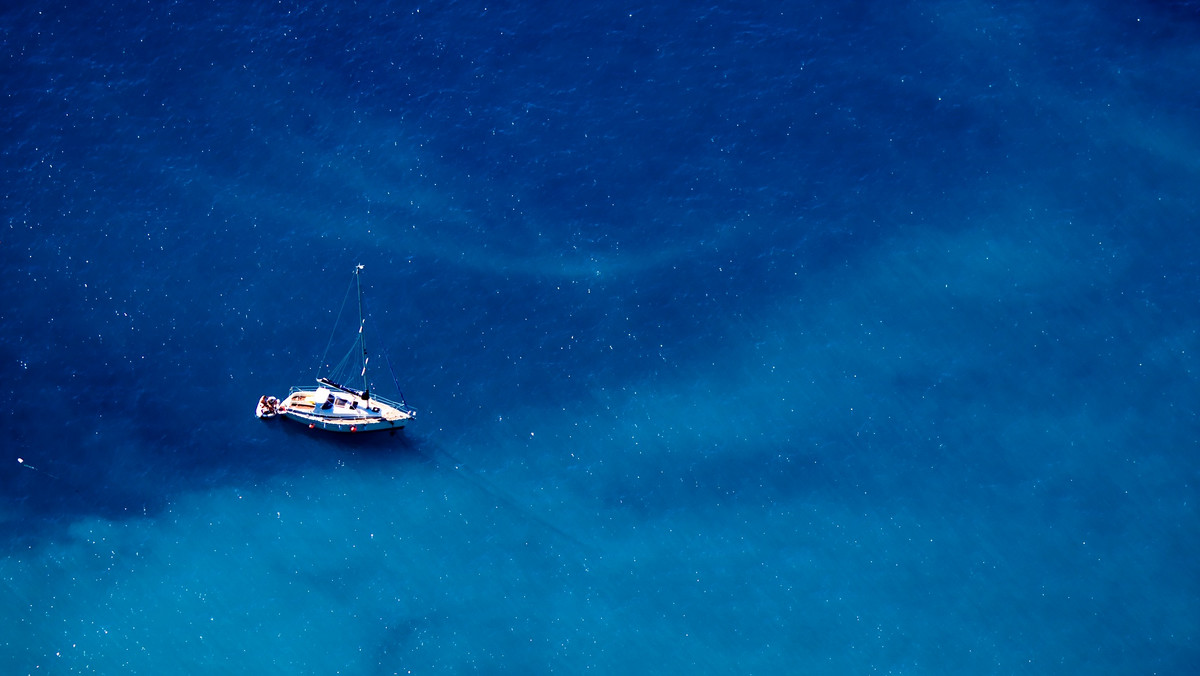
point(757, 339)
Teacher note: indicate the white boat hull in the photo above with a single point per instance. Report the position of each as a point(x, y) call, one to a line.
point(337, 411)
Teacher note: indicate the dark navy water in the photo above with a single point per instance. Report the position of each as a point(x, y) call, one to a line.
point(830, 338)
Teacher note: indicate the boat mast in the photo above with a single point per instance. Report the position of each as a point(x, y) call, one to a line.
point(362, 338)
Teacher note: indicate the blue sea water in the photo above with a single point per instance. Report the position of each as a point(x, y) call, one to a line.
point(767, 337)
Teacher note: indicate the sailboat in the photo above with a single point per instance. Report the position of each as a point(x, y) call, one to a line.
point(333, 404)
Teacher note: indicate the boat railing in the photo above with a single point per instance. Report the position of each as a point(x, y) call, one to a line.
point(399, 406)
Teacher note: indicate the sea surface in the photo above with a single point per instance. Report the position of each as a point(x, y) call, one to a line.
point(747, 337)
